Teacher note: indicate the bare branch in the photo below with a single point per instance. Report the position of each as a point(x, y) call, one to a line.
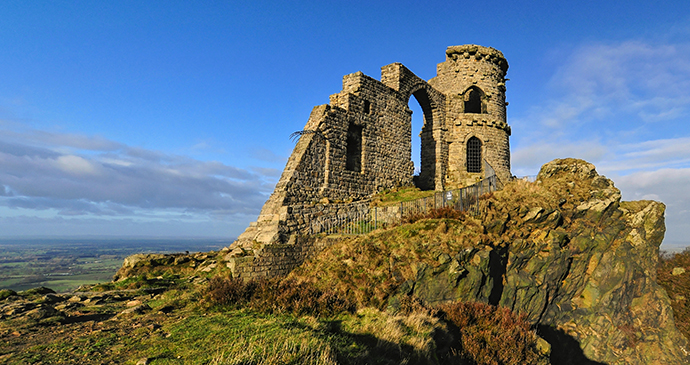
point(295, 136)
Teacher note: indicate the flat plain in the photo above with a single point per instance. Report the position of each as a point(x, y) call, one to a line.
point(65, 264)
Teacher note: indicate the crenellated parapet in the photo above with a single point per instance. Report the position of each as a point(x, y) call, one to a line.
point(478, 53)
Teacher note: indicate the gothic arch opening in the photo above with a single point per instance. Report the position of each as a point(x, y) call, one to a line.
point(423, 143)
point(474, 155)
point(474, 100)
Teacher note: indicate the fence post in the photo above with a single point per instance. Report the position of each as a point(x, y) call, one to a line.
point(476, 200)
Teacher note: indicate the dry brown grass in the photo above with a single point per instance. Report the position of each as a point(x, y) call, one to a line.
point(439, 213)
point(369, 269)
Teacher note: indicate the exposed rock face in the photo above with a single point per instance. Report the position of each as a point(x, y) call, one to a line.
point(579, 262)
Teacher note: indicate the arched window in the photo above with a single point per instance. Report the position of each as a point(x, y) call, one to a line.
point(474, 155)
point(473, 100)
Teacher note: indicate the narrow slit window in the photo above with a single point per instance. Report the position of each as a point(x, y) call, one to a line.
point(354, 148)
point(367, 107)
point(474, 155)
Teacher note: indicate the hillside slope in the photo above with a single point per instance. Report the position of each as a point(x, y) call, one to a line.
point(564, 250)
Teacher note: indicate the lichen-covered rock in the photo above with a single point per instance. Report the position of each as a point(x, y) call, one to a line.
point(147, 259)
point(577, 261)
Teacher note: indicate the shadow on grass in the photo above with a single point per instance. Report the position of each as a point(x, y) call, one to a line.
point(355, 348)
point(97, 317)
point(565, 350)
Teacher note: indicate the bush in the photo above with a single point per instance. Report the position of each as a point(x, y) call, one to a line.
point(677, 286)
point(283, 296)
point(6, 293)
point(491, 335)
point(228, 291)
point(438, 213)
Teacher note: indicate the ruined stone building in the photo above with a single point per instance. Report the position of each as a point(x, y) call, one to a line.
point(360, 143)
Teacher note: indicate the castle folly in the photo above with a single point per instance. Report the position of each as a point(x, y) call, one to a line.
point(360, 143)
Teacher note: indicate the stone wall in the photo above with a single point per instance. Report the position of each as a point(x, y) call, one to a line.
point(276, 259)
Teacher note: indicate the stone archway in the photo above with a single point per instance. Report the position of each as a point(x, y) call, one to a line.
point(434, 159)
point(428, 150)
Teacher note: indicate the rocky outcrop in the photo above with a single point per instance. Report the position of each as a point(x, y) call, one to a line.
point(564, 251)
point(579, 262)
point(179, 263)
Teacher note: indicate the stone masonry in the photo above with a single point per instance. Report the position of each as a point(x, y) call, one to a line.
point(360, 143)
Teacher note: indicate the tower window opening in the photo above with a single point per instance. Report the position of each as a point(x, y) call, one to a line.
point(474, 155)
point(473, 101)
point(367, 107)
point(354, 148)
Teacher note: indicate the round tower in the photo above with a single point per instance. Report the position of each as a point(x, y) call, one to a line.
point(473, 81)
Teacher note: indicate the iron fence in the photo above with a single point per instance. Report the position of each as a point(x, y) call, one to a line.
point(361, 219)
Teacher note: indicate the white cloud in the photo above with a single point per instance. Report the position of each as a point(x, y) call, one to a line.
point(624, 107)
point(62, 141)
point(666, 185)
point(614, 87)
point(648, 155)
point(76, 165)
point(528, 160)
point(70, 175)
point(173, 225)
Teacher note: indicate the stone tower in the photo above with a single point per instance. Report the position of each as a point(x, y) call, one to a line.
point(473, 81)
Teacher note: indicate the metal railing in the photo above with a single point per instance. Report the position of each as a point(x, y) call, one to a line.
point(355, 222)
point(362, 219)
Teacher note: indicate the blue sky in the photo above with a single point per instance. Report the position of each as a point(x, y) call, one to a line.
point(165, 118)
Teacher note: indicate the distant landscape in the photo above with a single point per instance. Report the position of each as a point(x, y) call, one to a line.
point(65, 264)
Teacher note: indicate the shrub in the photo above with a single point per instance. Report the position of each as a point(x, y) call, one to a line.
point(677, 286)
point(491, 335)
point(227, 291)
point(6, 293)
point(284, 296)
point(438, 213)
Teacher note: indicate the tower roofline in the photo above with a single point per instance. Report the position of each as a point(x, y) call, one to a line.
point(473, 50)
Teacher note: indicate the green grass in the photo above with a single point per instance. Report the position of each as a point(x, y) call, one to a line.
point(390, 197)
point(238, 337)
point(80, 271)
point(58, 283)
point(63, 284)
